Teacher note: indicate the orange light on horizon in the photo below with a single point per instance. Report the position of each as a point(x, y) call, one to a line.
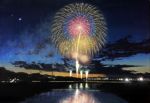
point(67, 74)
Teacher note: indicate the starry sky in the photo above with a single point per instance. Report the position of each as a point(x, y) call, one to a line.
point(25, 30)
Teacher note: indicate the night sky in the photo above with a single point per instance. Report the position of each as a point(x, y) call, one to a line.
point(25, 30)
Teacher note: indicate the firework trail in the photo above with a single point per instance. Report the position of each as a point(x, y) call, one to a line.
point(77, 62)
point(78, 31)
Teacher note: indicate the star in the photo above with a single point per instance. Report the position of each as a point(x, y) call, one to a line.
point(20, 19)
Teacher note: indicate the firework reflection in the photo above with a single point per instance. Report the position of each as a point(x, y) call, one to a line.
point(80, 97)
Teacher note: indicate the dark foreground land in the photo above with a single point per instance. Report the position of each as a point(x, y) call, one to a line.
point(135, 92)
point(132, 92)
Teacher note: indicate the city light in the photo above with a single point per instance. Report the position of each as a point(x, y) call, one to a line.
point(127, 80)
point(140, 79)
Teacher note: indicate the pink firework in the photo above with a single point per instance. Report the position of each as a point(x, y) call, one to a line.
point(79, 25)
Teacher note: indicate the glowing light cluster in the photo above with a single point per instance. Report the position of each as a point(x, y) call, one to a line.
point(79, 25)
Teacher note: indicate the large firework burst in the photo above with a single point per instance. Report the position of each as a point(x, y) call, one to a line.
point(78, 28)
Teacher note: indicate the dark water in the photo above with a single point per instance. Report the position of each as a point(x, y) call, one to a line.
point(76, 93)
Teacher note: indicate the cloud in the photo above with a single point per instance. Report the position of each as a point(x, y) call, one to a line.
point(39, 66)
point(124, 48)
point(95, 67)
point(109, 69)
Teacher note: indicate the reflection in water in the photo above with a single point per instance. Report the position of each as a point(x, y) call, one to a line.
point(70, 86)
point(81, 85)
point(77, 86)
point(80, 97)
point(75, 93)
point(86, 85)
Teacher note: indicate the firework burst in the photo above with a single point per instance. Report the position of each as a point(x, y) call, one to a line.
point(75, 19)
point(78, 29)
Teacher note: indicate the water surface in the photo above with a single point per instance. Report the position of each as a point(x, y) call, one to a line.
point(78, 93)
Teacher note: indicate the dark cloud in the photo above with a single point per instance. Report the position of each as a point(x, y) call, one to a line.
point(111, 70)
point(40, 66)
point(124, 48)
point(26, 65)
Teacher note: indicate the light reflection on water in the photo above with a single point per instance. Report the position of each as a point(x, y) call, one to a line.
point(79, 97)
point(78, 93)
